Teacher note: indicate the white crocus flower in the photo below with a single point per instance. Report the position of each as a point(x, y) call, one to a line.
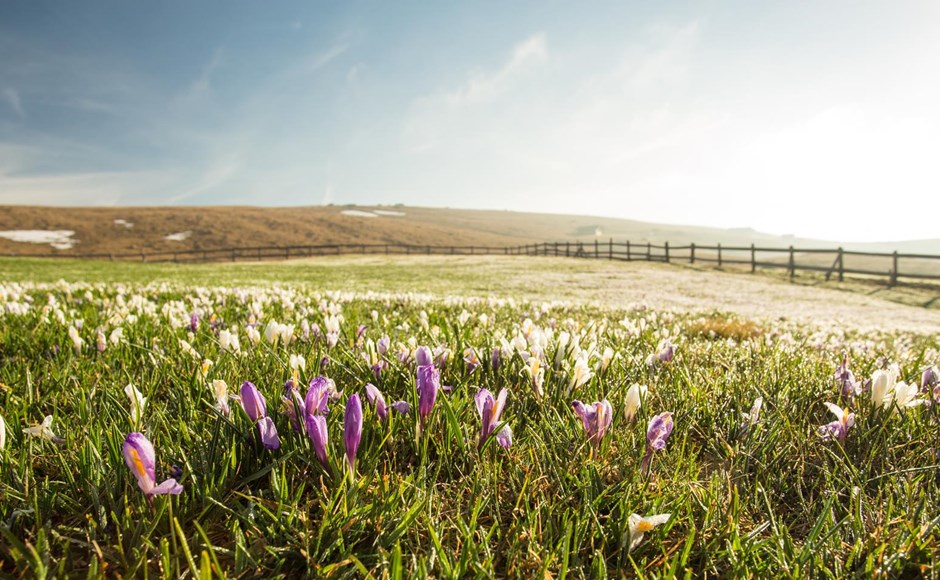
point(635, 395)
point(272, 332)
point(580, 374)
point(44, 431)
point(606, 359)
point(754, 415)
point(116, 336)
point(138, 403)
point(905, 396)
point(640, 525)
point(220, 390)
point(3, 433)
point(882, 386)
point(77, 341)
point(189, 350)
point(254, 337)
point(204, 368)
point(229, 341)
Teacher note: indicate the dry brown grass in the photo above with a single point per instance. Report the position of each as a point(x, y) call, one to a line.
point(722, 327)
point(220, 227)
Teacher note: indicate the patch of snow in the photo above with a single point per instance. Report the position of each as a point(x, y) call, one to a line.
point(388, 212)
point(125, 223)
point(359, 213)
point(58, 239)
point(178, 236)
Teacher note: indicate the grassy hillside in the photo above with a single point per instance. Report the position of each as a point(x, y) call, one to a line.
point(135, 229)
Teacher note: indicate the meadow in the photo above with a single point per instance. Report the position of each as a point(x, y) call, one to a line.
point(694, 424)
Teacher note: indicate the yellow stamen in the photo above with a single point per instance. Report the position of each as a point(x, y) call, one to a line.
point(644, 526)
point(141, 470)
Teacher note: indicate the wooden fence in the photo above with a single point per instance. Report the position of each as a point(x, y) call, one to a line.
point(832, 262)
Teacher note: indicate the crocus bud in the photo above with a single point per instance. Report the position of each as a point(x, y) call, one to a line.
point(428, 383)
point(375, 398)
point(253, 402)
point(423, 356)
point(633, 400)
point(352, 429)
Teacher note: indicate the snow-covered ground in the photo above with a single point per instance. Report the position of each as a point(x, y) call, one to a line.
point(178, 236)
point(372, 213)
point(58, 239)
point(358, 213)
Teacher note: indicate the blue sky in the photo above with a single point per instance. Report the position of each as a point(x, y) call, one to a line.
point(813, 118)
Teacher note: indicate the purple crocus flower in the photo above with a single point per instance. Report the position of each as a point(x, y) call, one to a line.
point(375, 398)
point(496, 359)
point(839, 428)
point(929, 378)
point(423, 356)
point(428, 382)
point(316, 430)
point(657, 432)
point(141, 459)
point(352, 430)
point(470, 357)
point(193, 322)
point(256, 408)
point(318, 395)
point(596, 418)
point(293, 406)
point(845, 379)
point(382, 344)
point(490, 410)
point(666, 352)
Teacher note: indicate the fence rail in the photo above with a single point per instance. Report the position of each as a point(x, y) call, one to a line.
point(830, 261)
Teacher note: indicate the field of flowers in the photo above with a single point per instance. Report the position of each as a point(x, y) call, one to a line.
point(172, 430)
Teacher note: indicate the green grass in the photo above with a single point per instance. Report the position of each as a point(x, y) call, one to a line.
point(773, 500)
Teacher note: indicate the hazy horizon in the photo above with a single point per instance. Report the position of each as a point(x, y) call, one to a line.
point(810, 119)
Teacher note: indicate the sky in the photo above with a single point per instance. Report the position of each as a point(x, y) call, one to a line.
point(813, 118)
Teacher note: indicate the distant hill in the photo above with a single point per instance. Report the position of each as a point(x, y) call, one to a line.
point(135, 229)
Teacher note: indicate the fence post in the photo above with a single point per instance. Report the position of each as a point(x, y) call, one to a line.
point(649, 251)
point(259, 253)
point(792, 265)
point(841, 266)
point(143, 257)
point(567, 249)
point(287, 253)
point(666, 246)
point(629, 257)
point(596, 254)
point(753, 260)
point(692, 253)
point(894, 268)
point(174, 257)
point(719, 254)
point(233, 254)
point(610, 249)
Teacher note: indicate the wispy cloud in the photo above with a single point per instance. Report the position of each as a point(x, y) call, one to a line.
point(431, 114)
point(201, 87)
point(321, 59)
point(12, 97)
